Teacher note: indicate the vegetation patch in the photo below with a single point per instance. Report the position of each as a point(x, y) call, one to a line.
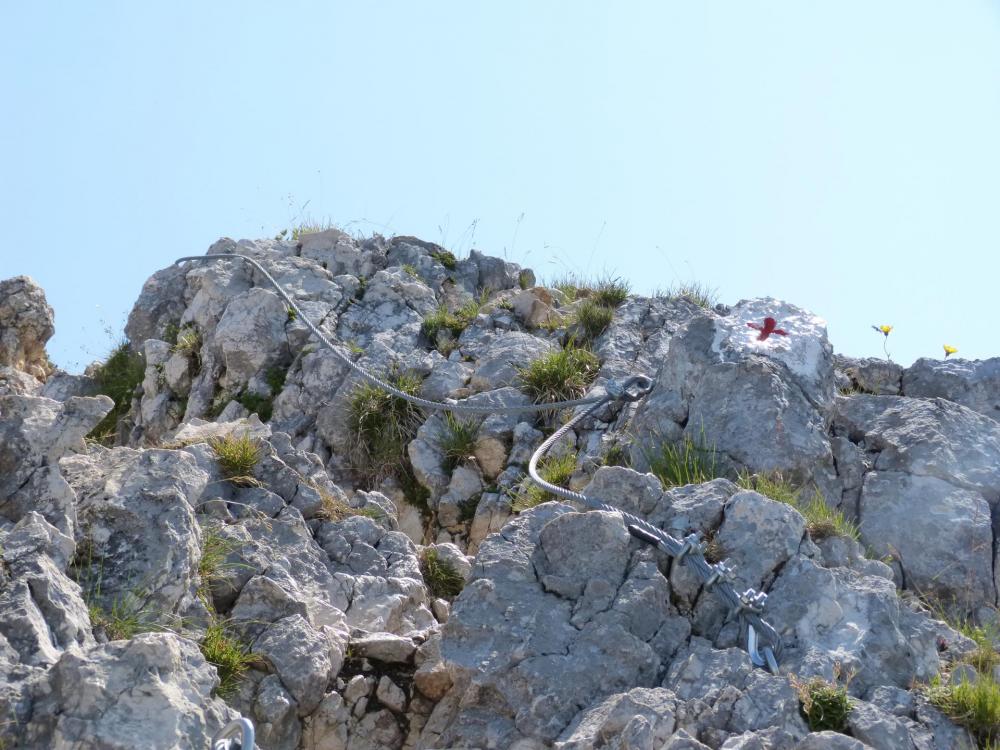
point(453, 323)
point(127, 617)
point(559, 376)
point(382, 425)
point(686, 462)
point(699, 294)
point(458, 441)
point(593, 318)
point(821, 520)
point(611, 292)
point(337, 510)
point(230, 656)
point(554, 469)
point(117, 378)
point(445, 258)
point(825, 705)
point(440, 576)
point(974, 705)
point(237, 455)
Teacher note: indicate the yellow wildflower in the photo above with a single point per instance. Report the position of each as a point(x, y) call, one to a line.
point(949, 350)
point(884, 330)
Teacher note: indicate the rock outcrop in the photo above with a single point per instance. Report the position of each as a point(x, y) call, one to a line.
point(271, 538)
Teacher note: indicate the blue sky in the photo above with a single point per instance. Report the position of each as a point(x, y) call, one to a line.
point(843, 156)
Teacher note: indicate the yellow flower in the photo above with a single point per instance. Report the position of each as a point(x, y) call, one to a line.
point(949, 350)
point(884, 330)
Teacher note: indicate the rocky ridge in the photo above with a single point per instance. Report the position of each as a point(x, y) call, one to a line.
point(334, 572)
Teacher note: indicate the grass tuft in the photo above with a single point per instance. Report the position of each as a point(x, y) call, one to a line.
point(559, 376)
point(441, 578)
point(337, 510)
point(127, 617)
point(974, 705)
point(458, 441)
point(118, 378)
point(611, 292)
point(700, 294)
point(446, 258)
point(821, 520)
point(554, 470)
point(237, 457)
point(230, 656)
point(382, 425)
point(441, 321)
point(594, 318)
point(825, 705)
point(678, 464)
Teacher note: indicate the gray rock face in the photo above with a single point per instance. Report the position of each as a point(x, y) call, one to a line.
point(26, 323)
point(251, 334)
point(91, 699)
point(930, 485)
point(759, 403)
point(34, 434)
point(973, 384)
point(879, 377)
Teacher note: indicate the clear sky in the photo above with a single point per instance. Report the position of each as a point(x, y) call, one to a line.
point(844, 156)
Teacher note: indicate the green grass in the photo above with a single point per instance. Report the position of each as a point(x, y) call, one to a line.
point(441, 578)
point(974, 705)
point(700, 294)
point(562, 375)
point(215, 548)
point(118, 378)
point(310, 227)
point(678, 464)
point(446, 258)
point(237, 456)
point(611, 292)
point(458, 441)
point(555, 470)
point(821, 520)
point(127, 618)
point(572, 286)
point(381, 426)
point(454, 323)
point(411, 270)
point(825, 705)
point(336, 510)
point(616, 455)
point(594, 318)
point(188, 341)
point(230, 656)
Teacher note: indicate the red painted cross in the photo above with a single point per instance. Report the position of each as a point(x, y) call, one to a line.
point(767, 329)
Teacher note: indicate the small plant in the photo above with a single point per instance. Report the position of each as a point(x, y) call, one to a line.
point(454, 323)
point(126, 618)
point(230, 657)
point(188, 341)
point(572, 287)
point(290, 314)
point(559, 376)
point(616, 455)
point(440, 576)
point(118, 378)
point(411, 270)
point(825, 705)
point(524, 279)
point(445, 258)
point(821, 520)
point(687, 462)
point(974, 705)
point(699, 294)
point(275, 379)
point(215, 548)
point(593, 318)
point(555, 470)
point(237, 457)
point(382, 425)
point(611, 292)
point(255, 403)
point(458, 441)
point(885, 330)
point(310, 227)
point(337, 510)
